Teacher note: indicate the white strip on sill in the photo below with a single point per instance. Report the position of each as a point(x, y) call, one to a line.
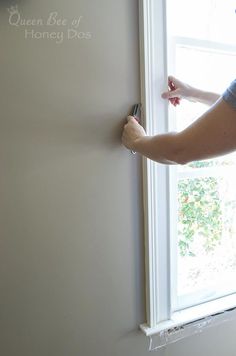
point(216, 311)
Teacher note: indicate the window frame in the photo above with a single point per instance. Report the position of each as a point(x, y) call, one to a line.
point(158, 220)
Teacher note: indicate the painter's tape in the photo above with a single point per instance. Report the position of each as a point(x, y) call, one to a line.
point(169, 336)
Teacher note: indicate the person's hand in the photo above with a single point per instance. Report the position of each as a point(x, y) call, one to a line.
point(132, 132)
point(177, 91)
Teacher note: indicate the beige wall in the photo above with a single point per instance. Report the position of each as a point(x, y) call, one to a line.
point(71, 233)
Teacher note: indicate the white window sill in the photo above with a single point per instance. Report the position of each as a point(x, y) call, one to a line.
point(213, 312)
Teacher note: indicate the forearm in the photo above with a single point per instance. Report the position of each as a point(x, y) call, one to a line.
point(212, 135)
point(164, 148)
point(204, 97)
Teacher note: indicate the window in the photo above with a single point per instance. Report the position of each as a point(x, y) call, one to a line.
point(190, 210)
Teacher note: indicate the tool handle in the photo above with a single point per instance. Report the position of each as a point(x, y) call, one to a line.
point(135, 112)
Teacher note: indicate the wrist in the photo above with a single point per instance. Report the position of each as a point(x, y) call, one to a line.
point(140, 143)
point(193, 94)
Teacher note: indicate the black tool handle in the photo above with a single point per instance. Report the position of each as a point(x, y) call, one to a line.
point(136, 113)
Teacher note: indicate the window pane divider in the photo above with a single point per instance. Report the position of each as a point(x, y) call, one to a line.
point(209, 46)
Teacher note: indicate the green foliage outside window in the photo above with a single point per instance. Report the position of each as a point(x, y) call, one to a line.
point(199, 213)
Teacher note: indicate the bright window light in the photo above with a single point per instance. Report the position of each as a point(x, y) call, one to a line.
point(190, 210)
point(201, 53)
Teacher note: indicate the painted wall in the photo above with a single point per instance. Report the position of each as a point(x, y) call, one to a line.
point(71, 233)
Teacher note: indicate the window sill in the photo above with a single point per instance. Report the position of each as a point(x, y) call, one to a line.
point(210, 313)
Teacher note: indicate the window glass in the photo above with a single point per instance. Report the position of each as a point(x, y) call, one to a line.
point(212, 20)
point(205, 194)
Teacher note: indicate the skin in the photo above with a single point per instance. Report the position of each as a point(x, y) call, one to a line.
point(211, 135)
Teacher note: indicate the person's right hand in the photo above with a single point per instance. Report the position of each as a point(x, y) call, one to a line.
point(177, 91)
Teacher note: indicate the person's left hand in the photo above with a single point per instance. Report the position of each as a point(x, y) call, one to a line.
point(132, 132)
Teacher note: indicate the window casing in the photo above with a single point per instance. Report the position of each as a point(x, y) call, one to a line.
point(164, 310)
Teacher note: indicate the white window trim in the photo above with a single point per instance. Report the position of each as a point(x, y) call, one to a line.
point(153, 63)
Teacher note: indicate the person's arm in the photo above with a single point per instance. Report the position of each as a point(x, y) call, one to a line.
point(213, 134)
point(190, 93)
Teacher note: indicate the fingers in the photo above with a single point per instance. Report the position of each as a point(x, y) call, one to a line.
point(130, 118)
point(175, 101)
point(174, 80)
point(131, 132)
point(171, 78)
point(171, 94)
